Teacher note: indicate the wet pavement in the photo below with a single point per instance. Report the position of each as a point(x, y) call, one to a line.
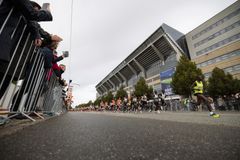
point(149, 136)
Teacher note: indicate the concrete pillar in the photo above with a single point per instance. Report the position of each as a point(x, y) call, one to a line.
point(114, 86)
point(132, 69)
point(141, 68)
point(160, 55)
point(123, 77)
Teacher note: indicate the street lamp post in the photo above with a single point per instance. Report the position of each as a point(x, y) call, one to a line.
point(69, 93)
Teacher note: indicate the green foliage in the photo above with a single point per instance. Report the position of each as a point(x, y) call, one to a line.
point(222, 84)
point(89, 103)
point(97, 102)
point(108, 98)
point(121, 93)
point(83, 105)
point(142, 88)
point(236, 86)
point(185, 75)
point(150, 92)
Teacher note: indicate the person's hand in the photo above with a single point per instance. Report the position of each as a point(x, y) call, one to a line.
point(38, 42)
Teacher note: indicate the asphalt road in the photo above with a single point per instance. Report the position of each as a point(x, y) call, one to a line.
point(103, 136)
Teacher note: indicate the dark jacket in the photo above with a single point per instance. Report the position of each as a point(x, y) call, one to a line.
point(39, 33)
point(11, 29)
point(24, 7)
point(48, 57)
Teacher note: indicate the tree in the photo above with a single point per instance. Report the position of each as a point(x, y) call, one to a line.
point(184, 76)
point(150, 92)
point(89, 103)
point(236, 86)
point(97, 102)
point(220, 84)
point(121, 93)
point(142, 88)
point(109, 97)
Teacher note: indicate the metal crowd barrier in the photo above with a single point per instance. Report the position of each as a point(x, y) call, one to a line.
point(33, 90)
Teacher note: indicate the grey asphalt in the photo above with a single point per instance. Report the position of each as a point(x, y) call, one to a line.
point(103, 136)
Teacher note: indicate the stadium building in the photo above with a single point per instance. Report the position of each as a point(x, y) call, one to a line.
point(157, 55)
point(216, 42)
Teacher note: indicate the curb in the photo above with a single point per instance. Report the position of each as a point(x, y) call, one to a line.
point(16, 125)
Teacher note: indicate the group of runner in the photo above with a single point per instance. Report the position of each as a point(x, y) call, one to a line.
point(136, 104)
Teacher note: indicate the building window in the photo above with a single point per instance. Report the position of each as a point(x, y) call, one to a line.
point(235, 25)
point(218, 44)
point(226, 70)
point(236, 68)
point(231, 15)
point(220, 58)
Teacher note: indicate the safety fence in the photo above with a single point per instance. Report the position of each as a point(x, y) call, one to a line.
point(26, 87)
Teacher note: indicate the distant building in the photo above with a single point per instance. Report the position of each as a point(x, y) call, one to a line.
point(158, 54)
point(216, 42)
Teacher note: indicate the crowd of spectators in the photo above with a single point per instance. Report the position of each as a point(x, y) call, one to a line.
point(11, 13)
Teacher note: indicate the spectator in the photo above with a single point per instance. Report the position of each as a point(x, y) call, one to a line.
point(40, 34)
point(7, 40)
point(48, 53)
point(221, 103)
point(22, 7)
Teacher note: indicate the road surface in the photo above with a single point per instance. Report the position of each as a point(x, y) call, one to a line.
point(112, 136)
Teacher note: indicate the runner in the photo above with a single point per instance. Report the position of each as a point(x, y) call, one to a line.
point(198, 91)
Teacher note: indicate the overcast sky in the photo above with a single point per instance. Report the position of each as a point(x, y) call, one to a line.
point(105, 32)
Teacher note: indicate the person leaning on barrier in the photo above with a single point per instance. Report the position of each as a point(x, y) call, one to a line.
point(48, 53)
point(24, 7)
point(21, 7)
point(198, 91)
point(57, 58)
point(8, 24)
point(59, 73)
point(42, 38)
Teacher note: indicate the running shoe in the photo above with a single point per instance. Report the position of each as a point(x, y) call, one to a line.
point(214, 115)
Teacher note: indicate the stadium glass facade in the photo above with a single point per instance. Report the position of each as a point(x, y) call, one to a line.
point(159, 53)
